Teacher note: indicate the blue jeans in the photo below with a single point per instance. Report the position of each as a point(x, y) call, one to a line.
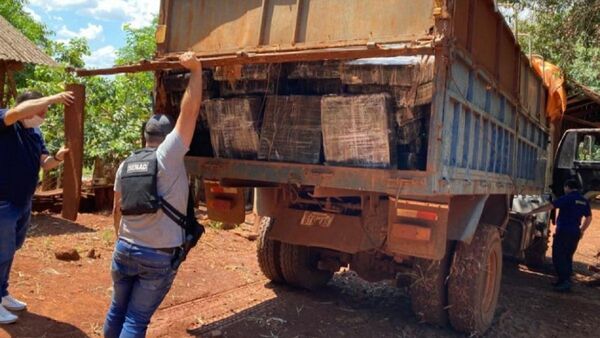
point(141, 279)
point(14, 221)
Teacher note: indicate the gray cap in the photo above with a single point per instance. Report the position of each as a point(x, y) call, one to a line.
point(159, 125)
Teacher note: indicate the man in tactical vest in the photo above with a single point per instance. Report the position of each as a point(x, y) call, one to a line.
point(150, 236)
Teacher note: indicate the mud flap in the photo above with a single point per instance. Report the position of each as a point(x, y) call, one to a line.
point(225, 204)
point(417, 229)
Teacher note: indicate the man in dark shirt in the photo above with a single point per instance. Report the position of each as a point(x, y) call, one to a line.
point(572, 208)
point(22, 153)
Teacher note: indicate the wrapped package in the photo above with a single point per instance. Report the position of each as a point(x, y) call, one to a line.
point(409, 80)
point(242, 80)
point(403, 71)
point(251, 72)
point(319, 70)
point(359, 131)
point(291, 129)
point(234, 125)
point(244, 88)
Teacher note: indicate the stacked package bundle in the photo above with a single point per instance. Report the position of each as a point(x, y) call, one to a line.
point(314, 78)
point(252, 79)
point(291, 130)
point(412, 137)
point(410, 123)
point(407, 79)
point(234, 126)
point(359, 131)
point(318, 70)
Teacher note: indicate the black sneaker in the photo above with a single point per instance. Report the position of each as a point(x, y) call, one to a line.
point(564, 286)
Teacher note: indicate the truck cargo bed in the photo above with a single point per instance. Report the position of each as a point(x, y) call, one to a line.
point(470, 120)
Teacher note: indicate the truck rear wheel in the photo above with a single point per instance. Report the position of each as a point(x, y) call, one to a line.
point(428, 290)
point(535, 254)
point(267, 252)
point(299, 267)
point(474, 281)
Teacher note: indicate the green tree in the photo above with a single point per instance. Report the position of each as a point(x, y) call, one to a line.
point(113, 128)
point(115, 106)
point(567, 33)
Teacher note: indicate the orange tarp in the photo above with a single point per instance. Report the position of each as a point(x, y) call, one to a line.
point(555, 81)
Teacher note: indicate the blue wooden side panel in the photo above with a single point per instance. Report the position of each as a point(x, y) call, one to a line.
point(486, 137)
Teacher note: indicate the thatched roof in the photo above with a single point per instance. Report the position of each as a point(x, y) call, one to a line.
point(14, 46)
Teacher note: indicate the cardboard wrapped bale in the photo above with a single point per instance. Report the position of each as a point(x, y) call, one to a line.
point(320, 70)
point(313, 87)
point(234, 126)
point(242, 80)
point(403, 96)
point(252, 72)
point(403, 71)
point(291, 130)
point(244, 88)
point(411, 123)
point(359, 131)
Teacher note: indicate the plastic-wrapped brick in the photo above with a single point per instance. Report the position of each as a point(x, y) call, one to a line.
point(291, 129)
point(254, 72)
point(320, 70)
point(359, 131)
point(403, 71)
point(234, 126)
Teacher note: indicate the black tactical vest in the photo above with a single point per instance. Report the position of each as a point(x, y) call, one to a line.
point(139, 195)
point(139, 192)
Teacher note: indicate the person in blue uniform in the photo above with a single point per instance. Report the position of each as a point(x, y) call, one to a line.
point(573, 208)
point(22, 153)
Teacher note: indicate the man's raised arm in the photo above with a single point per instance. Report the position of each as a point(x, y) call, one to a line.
point(30, 108)
point(190, 104)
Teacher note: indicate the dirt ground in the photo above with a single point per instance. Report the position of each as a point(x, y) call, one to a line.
point(220, 291)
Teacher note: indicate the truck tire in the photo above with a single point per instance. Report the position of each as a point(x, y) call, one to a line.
point(299, 267)
point(267, 252)
point(474, 281)
point(535, 254)
point(428, 290)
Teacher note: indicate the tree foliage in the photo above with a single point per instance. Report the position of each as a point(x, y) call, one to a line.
point(567, 33)
point(115, 106)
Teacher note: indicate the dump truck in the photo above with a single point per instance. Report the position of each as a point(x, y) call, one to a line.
point(386, 137)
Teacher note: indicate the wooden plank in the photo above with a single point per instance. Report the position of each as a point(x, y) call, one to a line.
point(74, 115)
point(582, 122)
point(294, 56)
point(2, 83)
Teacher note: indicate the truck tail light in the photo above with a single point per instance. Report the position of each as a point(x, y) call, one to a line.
point(419, 214)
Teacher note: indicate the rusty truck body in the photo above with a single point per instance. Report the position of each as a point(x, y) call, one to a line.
point(438, 208)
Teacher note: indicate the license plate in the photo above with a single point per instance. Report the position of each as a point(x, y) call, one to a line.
point(316, 219)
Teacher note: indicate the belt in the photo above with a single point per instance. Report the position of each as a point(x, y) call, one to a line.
point(170, 251)
point(167, 250)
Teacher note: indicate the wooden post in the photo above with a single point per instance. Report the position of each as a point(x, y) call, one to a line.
point(73, 165)
point(2, 83)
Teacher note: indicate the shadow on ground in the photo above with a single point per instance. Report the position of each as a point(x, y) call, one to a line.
point(31, 324)
point(50, 225)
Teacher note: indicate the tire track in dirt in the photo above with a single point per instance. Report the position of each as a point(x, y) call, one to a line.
point(217, 310)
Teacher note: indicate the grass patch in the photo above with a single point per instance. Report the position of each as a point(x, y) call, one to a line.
point(215, 225)
point(107, 236)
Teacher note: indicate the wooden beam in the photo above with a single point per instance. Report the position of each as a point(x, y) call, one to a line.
point(12, 86)
point(2, 83)
point(74, 115)
point(242, 58)
point(582, 122)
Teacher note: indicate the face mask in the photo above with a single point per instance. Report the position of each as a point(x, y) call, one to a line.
point(33, 122)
